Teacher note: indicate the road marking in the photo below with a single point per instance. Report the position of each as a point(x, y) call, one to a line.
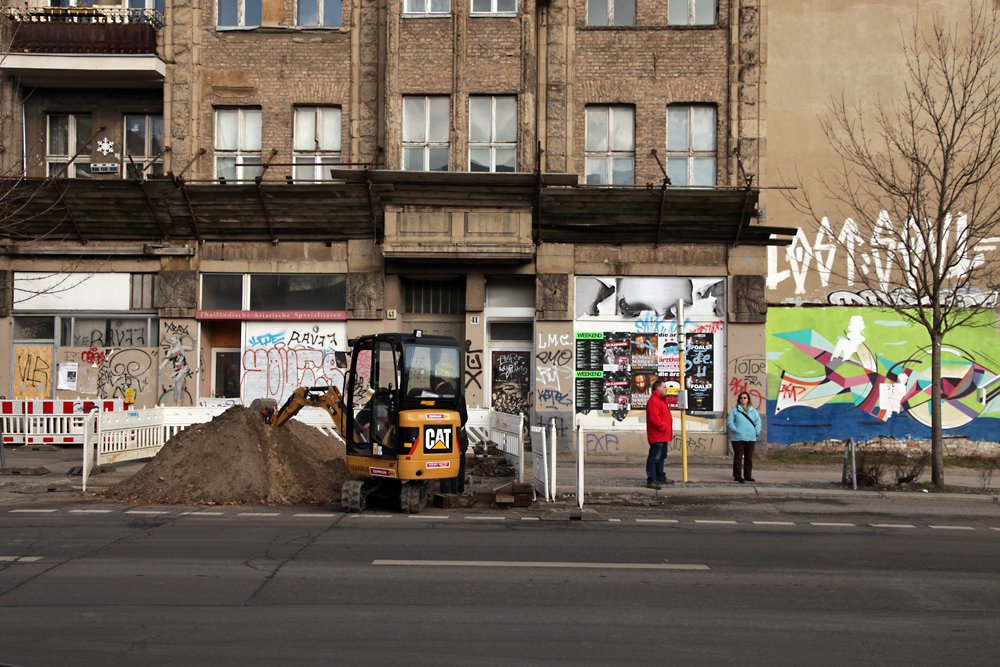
point(371, 516)
point(33, 511)
point(145, 512)
point(428, 517)
point(204, 513)
point(259, 514)
point(614, 519)
point(711, 521)
point(19, 559)
point(656, 520)
point(531, 518)
point(775, 523)
point(891, 525)
point(485, 518)
point(546, 564)
point(89, 511)
point(8, 559)
point(313, 515)
point(952, 527)
point(994, 528)
point(819, 523)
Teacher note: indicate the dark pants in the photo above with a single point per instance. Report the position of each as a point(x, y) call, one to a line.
point(654, 462)
point(743, 457)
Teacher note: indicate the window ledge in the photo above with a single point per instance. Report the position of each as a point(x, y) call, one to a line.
point(280, 28)
point(639, 28)
point(436, 15)
point(493, 15)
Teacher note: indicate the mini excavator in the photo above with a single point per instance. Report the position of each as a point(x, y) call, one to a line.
point(398, 416)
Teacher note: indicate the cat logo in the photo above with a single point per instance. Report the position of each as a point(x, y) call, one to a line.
point(437, 439)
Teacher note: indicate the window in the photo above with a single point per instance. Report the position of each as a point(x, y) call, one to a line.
point(145, 4)
point(239, 13)
point(237, 144)
point(438, 297)
point(493, 133)
point(610, 12)
point(143, 291)
point(273, 291)
point(222, 291)
point(610, 145)
point(67, 134)
point(319, 13)
point(316, 142)
point(109, 331)
point(426, 122)
point(691, 12)
point(423, 7)
point(691, 145)
point(143, 143)
point(494, 6)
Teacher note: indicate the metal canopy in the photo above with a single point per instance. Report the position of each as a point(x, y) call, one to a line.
point(84, 210)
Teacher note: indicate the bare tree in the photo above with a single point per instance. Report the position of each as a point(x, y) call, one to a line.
point(918, 180)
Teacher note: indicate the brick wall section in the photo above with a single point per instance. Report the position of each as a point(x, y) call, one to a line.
point(493, 53)
point(642, 259)
point(426, 61)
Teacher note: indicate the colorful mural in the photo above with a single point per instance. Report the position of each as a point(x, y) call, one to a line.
point(876, 378)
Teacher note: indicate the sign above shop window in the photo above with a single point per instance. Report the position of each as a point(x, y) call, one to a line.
point(287, 315)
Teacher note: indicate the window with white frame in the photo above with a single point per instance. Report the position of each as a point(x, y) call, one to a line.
point(427, 7)
point(691, 145)
point(68, 134)
point(147, 4)
point(316, 143)
point(610, 12)
point(426, 127)
point(610, 145)
point(691, 12)
point(239, 13)
point(493, 133)
point(144, 144)
point(319, 13)
point(494, 6)
point(237, 144)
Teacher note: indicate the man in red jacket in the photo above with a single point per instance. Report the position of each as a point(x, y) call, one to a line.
point(659, 433)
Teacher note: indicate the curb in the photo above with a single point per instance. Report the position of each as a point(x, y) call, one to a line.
point(777, 492)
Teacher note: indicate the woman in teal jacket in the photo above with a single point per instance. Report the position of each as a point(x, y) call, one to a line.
point(744, 427)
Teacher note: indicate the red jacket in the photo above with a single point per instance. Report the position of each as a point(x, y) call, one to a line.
point(659, 421)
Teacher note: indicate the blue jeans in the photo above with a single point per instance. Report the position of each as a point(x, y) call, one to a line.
point(654, 462)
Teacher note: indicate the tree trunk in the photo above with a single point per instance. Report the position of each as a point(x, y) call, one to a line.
point(937, 442)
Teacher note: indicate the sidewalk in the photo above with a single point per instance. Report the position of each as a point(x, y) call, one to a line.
point(707, 477)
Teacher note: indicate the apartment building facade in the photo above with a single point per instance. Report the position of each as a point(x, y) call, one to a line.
point(220, 193)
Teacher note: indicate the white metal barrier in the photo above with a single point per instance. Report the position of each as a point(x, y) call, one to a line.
point(49, 422)
point(544, 461)
point(478, 426)
point(507, 432)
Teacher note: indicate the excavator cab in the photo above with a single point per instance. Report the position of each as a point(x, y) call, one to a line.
point(403, 392)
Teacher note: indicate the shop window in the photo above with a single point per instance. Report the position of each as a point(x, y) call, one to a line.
point(114, 332)
point(146, 4)
point(691, 145)
point(34, 328)
point(317, 142)
point(222, 291)
point(691, 12)
point(297, 291)
point(426, 123)
point(143, 291)
point(237, 144)
point(319, 13)
point(427, 8)
point(68, 135)
point(144, 144)
point(439, 297)
point(239, 13)
point(610, 12)
point(610, 145)
point(493, 133)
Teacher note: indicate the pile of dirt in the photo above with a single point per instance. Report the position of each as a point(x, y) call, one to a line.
point(238, 459)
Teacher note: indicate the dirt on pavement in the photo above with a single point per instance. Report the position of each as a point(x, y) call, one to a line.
point(238, 459)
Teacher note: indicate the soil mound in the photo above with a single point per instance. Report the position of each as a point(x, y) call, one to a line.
point(238, 459)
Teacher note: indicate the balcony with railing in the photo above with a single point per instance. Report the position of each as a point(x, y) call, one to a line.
point(86, 30)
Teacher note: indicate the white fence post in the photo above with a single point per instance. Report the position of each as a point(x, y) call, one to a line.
point(540, 464)
point(552, 456)
point(579, 468)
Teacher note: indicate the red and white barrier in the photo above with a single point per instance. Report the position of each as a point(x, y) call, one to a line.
point(49, 422)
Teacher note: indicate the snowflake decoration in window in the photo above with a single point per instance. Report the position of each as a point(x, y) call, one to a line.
point(105, 146)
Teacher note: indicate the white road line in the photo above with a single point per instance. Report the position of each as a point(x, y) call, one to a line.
point(144, 512)
point(952, 527)
point(259, 514)
point(775, 523)
point(994, 528)
point(203, 513)
point(819, 523)
point(545, 564)
point(90, 511)
point(614, 519)
point(34, 511)
point(8, 559)
point(531, 518)
point(711, 521)
point(317, 516)
point(428, 517)
point(891, 525)
point(28, 559)
point(485, 518)
point(370, 516)
point(656, 520)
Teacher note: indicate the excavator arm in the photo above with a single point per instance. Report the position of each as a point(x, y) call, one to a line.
point(330, 400)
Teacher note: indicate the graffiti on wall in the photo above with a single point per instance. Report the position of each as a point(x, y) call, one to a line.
point(124, 373)
point(280, 357)
point(511, 382)
point(32, 372)
point(866, 372)
point(749, 374)
point(554, 371)
point(174, 370)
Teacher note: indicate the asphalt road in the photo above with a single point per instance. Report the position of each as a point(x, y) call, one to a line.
point(710, 582)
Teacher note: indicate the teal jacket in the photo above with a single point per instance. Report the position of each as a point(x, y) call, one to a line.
point(740, 427)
